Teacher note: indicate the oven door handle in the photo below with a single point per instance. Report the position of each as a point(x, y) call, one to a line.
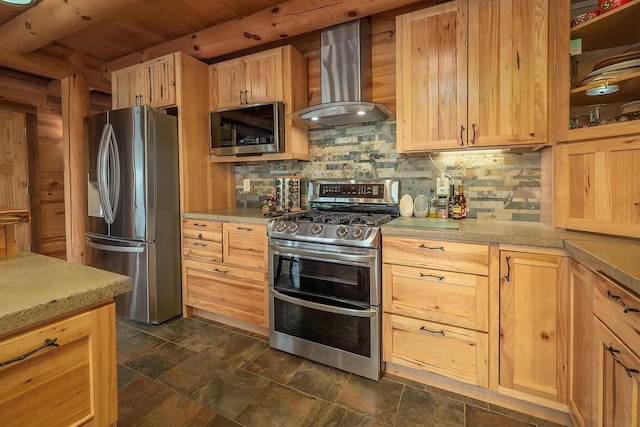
point(322, 307)
point(332, 256)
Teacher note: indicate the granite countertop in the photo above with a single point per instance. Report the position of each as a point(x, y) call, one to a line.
point(36, 287)
point(618, 258)
point(244, 215)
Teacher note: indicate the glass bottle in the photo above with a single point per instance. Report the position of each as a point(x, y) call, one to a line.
point(456, 212)
point(463, 202)
point(451, 199)
point(433, 208)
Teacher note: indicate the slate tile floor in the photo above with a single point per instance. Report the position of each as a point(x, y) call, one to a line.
point(194, 372)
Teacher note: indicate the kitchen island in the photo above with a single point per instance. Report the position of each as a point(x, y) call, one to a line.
point(57, 342)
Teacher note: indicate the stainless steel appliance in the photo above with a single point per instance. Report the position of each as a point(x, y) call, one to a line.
point(325, 274)
point(249, 130)
point(133, 221)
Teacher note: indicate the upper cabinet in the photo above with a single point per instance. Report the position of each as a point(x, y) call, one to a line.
point(252, 79)
point(473, 74)
point(278, 74)
point(150, 83)
point(597, 83)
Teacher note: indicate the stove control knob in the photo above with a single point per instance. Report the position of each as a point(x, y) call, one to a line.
point(342, 231)
point(280, 226)
point(316, 229)
point(293, 227)
point(357, 232)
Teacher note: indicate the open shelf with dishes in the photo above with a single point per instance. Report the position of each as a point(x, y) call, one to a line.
point(604, 78)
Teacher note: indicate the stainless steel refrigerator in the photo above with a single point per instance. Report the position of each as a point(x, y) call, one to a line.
point(133, 221)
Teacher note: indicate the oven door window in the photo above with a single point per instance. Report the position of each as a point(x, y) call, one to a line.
point(347, 332)
point(328, 279)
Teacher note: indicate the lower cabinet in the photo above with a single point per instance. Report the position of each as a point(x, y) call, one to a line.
point(436, 307)
point(69, 375)
point(533, 323)
point(616, 346)
point(224, 271)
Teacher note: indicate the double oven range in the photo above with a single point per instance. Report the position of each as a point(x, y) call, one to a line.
point(325, 274)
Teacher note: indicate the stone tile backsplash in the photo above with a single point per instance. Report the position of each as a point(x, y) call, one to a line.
point(502, 186)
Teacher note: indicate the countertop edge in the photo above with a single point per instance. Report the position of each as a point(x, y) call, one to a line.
point(12, 321)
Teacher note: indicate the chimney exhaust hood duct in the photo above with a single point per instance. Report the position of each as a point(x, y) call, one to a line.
point(345, 74)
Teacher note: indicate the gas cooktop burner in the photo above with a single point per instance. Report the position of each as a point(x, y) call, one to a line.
point(346, 213)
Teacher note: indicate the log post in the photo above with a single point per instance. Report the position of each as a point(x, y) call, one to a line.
point(75, 105)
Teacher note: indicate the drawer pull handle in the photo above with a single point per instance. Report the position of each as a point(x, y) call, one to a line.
point(244, 229)
point(434, 248)
point(508, 276)
point(202, 245)
point(629, 371)
point(429, 331)
point(440, 278)
point(215, 270)
point(47, 343)
point(619, 301)
point(196, 224)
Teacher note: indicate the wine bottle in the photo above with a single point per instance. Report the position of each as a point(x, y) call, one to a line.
point(463, 202)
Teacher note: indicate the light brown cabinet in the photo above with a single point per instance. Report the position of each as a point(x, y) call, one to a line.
point(278, 74)
point(472, 73)
point(436, 307)
point(224, 271)
point(597, 187)
point(580, 343)
point(533, 323)
point(71, 381)
point(602, 38)
point(150, 83)
point(251, 79)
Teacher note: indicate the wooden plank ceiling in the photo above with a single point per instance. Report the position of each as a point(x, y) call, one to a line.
point(56, 38)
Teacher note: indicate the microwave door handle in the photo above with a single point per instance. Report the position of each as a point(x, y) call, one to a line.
point(322, 307)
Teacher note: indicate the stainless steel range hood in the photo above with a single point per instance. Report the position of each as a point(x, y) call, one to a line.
point(345, 74)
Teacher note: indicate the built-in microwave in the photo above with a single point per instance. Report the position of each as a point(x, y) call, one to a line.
point(249, 130)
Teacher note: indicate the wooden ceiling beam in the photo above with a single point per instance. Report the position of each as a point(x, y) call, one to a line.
point(291, 18)
point(52, 20)
point(55, 67)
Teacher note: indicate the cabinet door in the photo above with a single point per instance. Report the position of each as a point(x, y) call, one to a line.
point(598, 186)
point(616, 389)
point(229, 84)
point(159, 82)
point(580, 343)
point(533, 324)
point(431, 78)
point(245, 245)
point(229, 291)
point(72, 383)
point(263, 77)
point(126, 86)
point(508, 66)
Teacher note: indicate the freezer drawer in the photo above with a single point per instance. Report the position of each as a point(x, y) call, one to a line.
point(156, 294)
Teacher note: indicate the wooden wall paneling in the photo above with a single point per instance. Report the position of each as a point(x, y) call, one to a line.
point(52, 184)
point(14, 173)
point(35, 204)
point(75, 105)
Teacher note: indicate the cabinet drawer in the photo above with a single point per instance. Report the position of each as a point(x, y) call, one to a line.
point(456, 353)
point(55, 380)
point(608, 300)
point(233, 292)
point(204, 250)
point(453, 298)
point(200, 229)
point(245, 245)
point(437, 254)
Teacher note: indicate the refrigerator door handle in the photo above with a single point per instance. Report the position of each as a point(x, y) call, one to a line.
point(110, 248)
point(108, 173)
